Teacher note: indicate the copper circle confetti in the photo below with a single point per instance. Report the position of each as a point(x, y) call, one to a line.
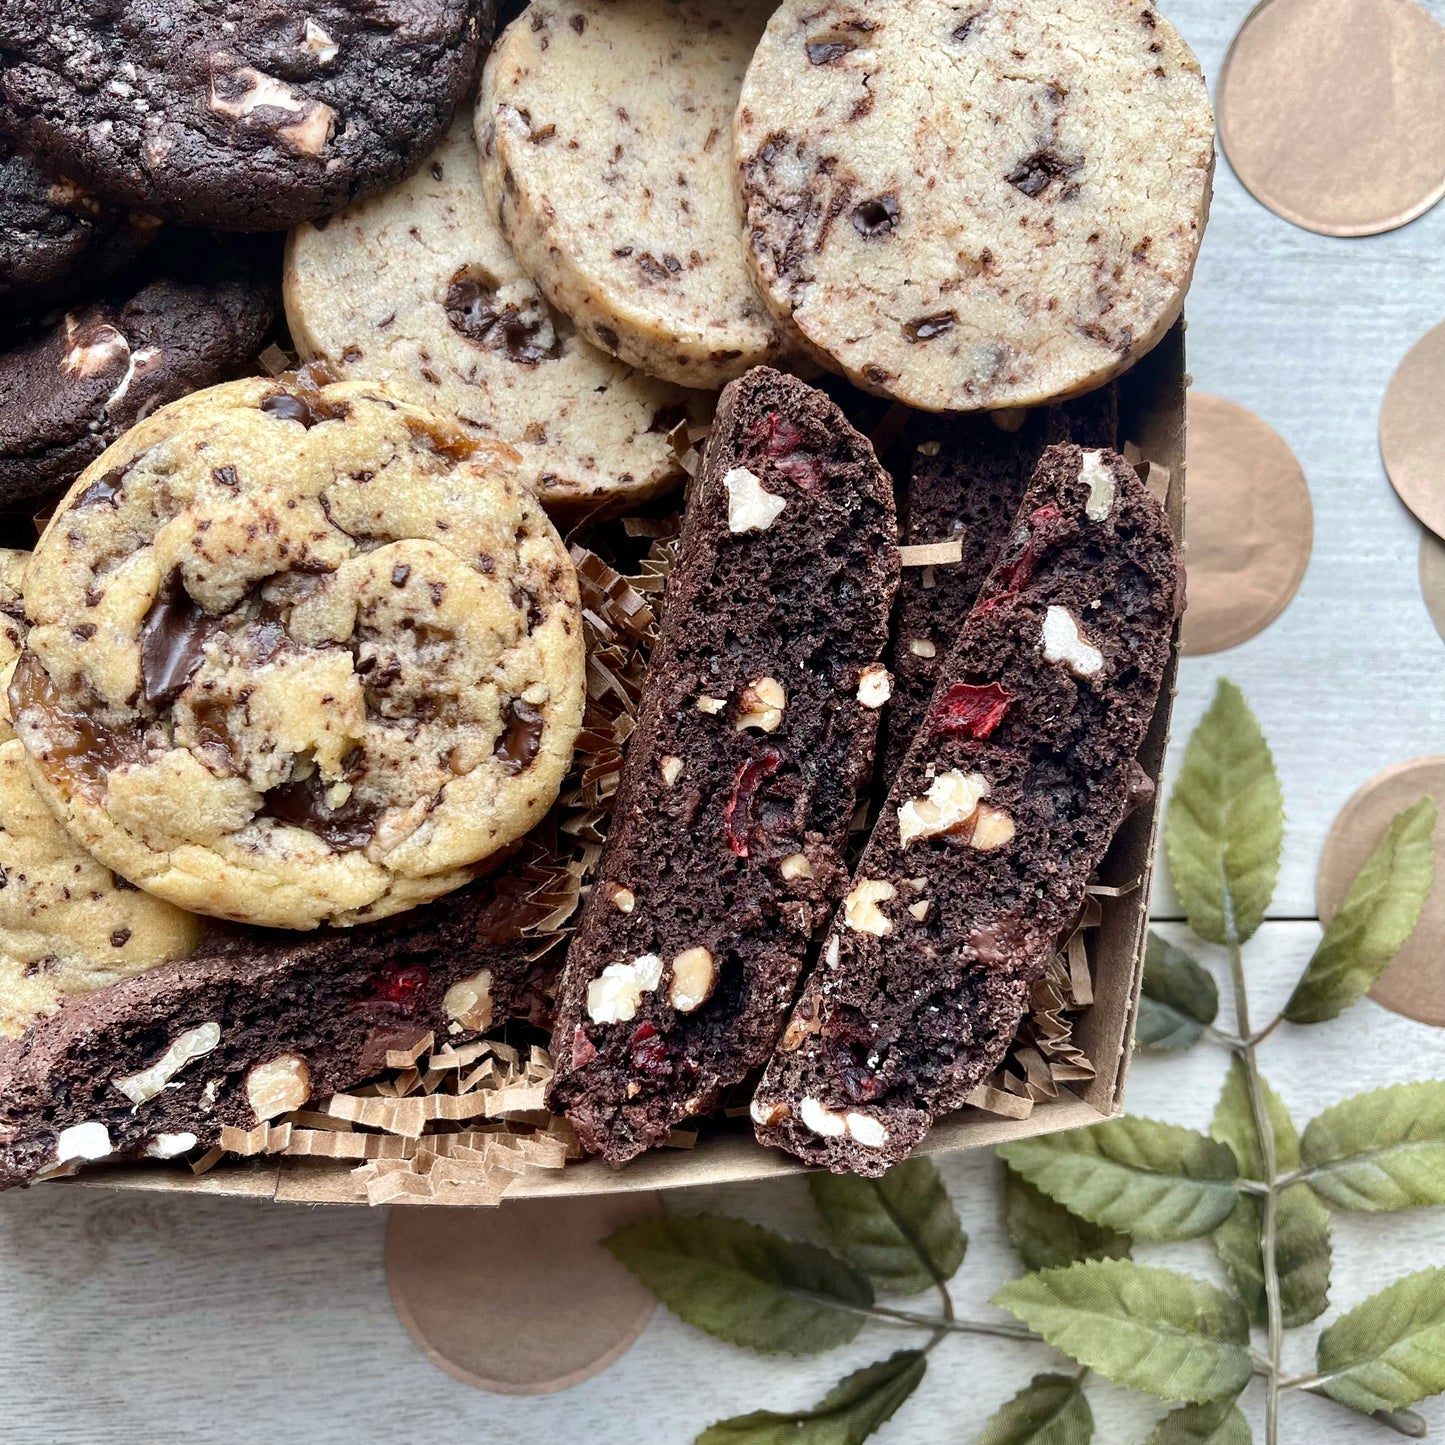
point(521, 1299)
point(1249, 525)
point(1412, 429)
point(1329, 112)
point(1414, 984)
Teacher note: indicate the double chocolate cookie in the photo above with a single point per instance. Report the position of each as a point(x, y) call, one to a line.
point(234, 115)
point(67, 392)
point(974, 206)
point(418, 288)
point(299, 653)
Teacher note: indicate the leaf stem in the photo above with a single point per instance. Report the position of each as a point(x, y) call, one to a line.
point(1264, 1129)
point(1257, 1039)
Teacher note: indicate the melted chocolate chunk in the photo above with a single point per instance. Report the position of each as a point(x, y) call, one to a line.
point(1034, 174)
point(473, 311)
point(451, 446)
point(303, 804)
point(876, 217)
point(521, 736)
point(172, 642)
point(825, 52)
point(287, 406)
point(91, 750)
point(925, 328)
point(103, 489)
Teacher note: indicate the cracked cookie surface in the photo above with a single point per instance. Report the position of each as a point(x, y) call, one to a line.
point(68, 925)
point(300, 653)
point(604, 128)
point(418, 288)
point(224, 113)
point(966, 207)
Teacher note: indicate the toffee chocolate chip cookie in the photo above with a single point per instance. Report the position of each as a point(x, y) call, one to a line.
point(68, 392)
point(56, 240)
point(604, 127)
point(228, 114)
point(971, 206)
point(299, 653)
point(68, 925)
point(418, 288)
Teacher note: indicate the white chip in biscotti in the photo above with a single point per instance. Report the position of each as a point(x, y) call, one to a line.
point(968, 206)
point(605, 132)
point(299, 653)
point(417, 287)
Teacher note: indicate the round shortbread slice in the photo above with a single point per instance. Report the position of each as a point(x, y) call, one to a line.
point(604, 128)
point(418, 289)
point(967, 206)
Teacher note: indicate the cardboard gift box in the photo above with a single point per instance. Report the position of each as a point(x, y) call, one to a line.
point(1152, 426)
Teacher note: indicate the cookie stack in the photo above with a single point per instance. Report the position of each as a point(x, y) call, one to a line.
point(299, 662)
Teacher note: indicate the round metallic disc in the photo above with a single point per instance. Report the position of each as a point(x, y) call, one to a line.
point(1414, 984)
point(1248, 528)
point(1412, 429)
point(1329, 112)
point(1432, 578)
point(521, 1299)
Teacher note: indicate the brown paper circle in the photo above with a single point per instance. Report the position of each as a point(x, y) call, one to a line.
point(1432, 578)
point(1248, 526)
point(521, 1299)
point(1329, 112)
point(1412, 429)
point(1414, 984)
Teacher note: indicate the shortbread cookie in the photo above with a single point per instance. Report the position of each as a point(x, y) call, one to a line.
point(299, 653)
point(970, 206)
point(230, 114)
point(604, 128)
point(417, 287)
point(57, 241)
point(755, 733)
point(256, 1025)
point(966, 478)
point(70, 390)
point(1006, 802)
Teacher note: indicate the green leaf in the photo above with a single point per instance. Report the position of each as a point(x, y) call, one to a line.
point(744, 1283)
point(1379, 913)
point(901, 1230)
point(1217, 1424)
point(1145, 1328)
point(1302, 1223)
point(1389, 1351)
point(1225, 824)
point(1178, 998)
point(1141, 1177)
point(1382, 1150)
point(1047, 1236)
point(1049, 1410)
point(847, 1415)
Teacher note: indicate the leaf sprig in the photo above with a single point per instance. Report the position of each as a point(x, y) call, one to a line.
point(1260, 1188)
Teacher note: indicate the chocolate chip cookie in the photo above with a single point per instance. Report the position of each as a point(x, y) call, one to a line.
point(57, 240)
point(604, 128)
point(240, 116)
point(68, 391)
point(68, 925)
point(418, 287)
point(972, 206)
point(299, 653)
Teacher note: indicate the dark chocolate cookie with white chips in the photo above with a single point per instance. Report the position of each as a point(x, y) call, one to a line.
point(67, 392)
point(755, 734)
point(967, 207)
point(56, 240)
point(1006, 802)
point(237, 116)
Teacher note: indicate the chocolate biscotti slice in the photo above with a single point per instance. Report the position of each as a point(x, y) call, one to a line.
point(755, 733)
point(1006, 802)
point(256, 1023)
point(966, 478)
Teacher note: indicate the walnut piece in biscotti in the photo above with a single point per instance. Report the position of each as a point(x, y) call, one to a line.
point(1008, 799)
point(418, 288)
point(299, 653)
point(754, 736)
point(978, 206)
point(605, 142)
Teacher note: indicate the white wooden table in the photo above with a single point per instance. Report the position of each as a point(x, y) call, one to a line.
point(136, 1319)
